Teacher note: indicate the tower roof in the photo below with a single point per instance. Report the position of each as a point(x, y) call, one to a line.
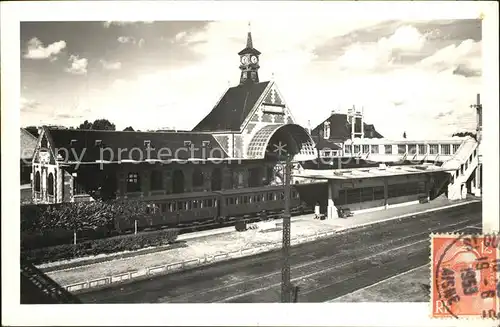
point(249, 49)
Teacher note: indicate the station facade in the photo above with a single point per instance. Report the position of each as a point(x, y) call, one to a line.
point(241, 143)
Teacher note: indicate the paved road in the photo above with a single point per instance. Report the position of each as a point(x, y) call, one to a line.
point(323, 270)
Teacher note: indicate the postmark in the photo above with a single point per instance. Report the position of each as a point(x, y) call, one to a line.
point(465, 276)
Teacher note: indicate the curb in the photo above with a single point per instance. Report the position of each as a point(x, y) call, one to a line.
point(209, 259)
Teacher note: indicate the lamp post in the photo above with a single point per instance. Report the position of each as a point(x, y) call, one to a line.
point(285, 270)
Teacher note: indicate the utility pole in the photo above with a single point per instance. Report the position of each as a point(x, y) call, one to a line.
point(286, 289)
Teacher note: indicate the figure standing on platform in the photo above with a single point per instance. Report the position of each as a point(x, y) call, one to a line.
point(316, 211)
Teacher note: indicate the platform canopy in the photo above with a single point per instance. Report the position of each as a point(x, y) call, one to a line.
point(353, 173)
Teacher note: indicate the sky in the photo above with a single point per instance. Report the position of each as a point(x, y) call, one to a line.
point(418, 77)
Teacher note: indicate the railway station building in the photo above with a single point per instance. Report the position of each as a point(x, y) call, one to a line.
point(240, 143)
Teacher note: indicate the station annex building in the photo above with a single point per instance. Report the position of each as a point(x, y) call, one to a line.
point(342, 162)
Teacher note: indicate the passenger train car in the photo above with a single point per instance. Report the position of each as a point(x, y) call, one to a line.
point(217, 207)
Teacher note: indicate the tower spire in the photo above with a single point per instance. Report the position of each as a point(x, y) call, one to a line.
point(249, 36)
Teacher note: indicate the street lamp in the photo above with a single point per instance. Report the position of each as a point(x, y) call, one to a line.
point(286, 289)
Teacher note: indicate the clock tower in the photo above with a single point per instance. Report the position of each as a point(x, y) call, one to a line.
point(249, 63)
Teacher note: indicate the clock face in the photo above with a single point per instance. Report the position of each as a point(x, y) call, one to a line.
point(244, 60)
point(254, 59)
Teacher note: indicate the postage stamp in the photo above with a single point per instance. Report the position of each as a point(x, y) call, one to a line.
point(465, 276)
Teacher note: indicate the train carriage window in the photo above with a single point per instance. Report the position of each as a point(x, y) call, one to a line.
point(230, 200)
point(245, 199)
point(250, 199)
point(282, 195)
point(181, 205)
point(207, 203)
point(163, 207)
point(270, 196)
point(188, 205)
point(378, 193)
point(195, 204)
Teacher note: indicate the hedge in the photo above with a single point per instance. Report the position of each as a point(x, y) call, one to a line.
point(115, 244)
point(78, 216)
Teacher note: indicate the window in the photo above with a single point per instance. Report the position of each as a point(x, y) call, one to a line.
point(445, 149)
point(198, 177)
point(38, 182)
point(156, 180)
point(401, 148)
point(348, 149)
point(366, 148)
point(353, 196)
point(357, 149)
point(50, 184)
point(341, 199)
point(388, 149)
point(433, 149)
point(326, 130)
point(374, 149)
point(270, 196)
point(366, 194)
point(412, 149)
point(78, 189)
point(133, 182)
point(422, 149)
point(455, 147)
point(378, 193)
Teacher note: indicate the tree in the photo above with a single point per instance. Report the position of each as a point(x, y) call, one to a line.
point(463, 134)
point(98, 124)
point(85, 125)
point(33, 130)
point(103, 124)
point(128, 129)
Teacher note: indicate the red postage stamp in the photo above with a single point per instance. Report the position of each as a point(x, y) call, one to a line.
point(465, 276)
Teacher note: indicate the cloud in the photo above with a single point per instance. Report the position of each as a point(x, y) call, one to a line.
point(126, 39)
point(36, 50)
point(464, 57)
point(467, 71)
point(180, 36)
point(78, 66)
point(28, 105)
point(111, 65)
point(132, 40)
point(122, 23)
point(383, 54)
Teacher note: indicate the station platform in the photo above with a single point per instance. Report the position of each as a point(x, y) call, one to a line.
point(212, 243)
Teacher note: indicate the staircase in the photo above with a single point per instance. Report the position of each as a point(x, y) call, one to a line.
point(38, 288)
point(462, 165)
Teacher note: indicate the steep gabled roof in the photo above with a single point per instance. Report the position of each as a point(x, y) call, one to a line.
point(232, 109)
point(341, 128)
point(83, 142)
point(28, 144)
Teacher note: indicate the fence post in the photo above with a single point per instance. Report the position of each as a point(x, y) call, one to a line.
point(74, 237)
point(135, 226)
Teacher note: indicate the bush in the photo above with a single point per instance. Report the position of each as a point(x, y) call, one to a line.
point(81, 215)
point(241, 226)
point(101, 246)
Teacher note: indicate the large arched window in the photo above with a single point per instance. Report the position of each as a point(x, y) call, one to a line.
point(38, 182)
point(50, 184)
point(197, 177)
